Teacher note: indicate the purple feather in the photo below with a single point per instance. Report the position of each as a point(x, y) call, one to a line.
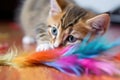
point(67, 64)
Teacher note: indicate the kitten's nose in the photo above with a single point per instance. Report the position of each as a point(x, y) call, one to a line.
point(58, 45)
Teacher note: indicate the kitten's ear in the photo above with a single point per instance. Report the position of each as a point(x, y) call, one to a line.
point(99, 23)
point(57, 6)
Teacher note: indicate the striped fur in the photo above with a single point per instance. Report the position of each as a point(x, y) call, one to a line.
point(72, 16)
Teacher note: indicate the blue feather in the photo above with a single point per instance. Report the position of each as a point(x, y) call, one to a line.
point(93, 48)
point(73, 69)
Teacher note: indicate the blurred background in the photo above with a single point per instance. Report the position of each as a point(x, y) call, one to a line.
point(101, 6)
point(8, 8)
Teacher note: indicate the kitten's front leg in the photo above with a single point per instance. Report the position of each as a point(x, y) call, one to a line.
point(43, 47)
point(42, 38)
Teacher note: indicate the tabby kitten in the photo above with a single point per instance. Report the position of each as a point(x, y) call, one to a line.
point(66, 23)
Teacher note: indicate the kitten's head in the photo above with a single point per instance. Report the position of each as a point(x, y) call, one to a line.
point(69, 24)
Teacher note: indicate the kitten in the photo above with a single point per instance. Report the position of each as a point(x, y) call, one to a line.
point(60, 23)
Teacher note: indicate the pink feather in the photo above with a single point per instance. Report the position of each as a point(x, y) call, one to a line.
point(98, 67)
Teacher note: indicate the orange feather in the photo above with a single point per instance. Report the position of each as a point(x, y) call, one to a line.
point(37, 57)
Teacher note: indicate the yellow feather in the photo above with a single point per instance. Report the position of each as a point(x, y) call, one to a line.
point(13, 58)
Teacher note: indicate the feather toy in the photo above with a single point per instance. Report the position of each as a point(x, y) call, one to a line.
point(77, 59)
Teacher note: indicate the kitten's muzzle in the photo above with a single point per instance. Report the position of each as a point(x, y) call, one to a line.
point(58, 44)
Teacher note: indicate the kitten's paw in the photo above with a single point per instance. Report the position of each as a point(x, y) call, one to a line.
point(43, 47)
point(28, 40)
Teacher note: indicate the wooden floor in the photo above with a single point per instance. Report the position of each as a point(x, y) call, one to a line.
point(11, 35)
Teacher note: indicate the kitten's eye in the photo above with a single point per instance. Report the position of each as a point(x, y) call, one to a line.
point(71, 38)
point(54, 31)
